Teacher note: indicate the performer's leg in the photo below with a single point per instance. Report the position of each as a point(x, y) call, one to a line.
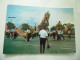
point(14, 38)
point(70, 36)
point(57, 37)
point(63, 37)
point(54, 36)
point(15, 35)
point(40, 45)
point(28, 39)
point(9, 35)
point(6, 35)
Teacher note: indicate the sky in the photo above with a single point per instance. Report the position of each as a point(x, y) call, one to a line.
point(32, 15)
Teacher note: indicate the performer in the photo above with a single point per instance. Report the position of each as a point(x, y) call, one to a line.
point(62, 34)
point(58, 34)
point(54, 34)
point(29, 33)
point(11, 33)
point(69, 34)
point(43, 37)
point(8, 33)
point(15, 35)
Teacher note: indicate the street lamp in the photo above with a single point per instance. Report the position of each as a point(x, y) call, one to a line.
point(11, 18)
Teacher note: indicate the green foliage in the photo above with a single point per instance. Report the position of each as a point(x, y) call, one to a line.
point(11, 25)
point(53, 28)
point(62, 27)
point(25, 26)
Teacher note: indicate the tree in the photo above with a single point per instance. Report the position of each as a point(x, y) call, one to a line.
point(11, 25)
point(25, 26)
point(63, 27)
point(69, 25)
point(53, 28)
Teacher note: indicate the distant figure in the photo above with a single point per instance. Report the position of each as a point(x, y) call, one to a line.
point(15, 35)
point(58, 34)
point(11, 33)
point(29, 34)
point(35, 33)
point(8, 33)
point(54, 34)
point(43, 37)
point(62, 36)
point(69, 34)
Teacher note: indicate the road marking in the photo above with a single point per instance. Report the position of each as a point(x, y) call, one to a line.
point(68, 48)
point(32, 44)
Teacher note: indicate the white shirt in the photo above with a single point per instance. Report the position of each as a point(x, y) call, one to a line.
point(43, 34)
point(59, 31)
point(28, 31)
point(7, 30)
point(68, 32)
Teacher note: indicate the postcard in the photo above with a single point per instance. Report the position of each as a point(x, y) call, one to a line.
point(39, 30)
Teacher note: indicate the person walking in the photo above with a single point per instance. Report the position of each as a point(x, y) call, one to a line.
point(43, 37)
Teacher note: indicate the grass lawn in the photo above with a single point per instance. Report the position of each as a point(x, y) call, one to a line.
point(19, 46)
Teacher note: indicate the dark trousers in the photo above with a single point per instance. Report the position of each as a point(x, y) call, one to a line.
point(32, 36)
point(62, 36)
point(54, 36)
point(15, 35)
point(42, 45)
point(11, 34)
point(28, 37)
point(58, 37)
point(69, 36)
point(7, 34)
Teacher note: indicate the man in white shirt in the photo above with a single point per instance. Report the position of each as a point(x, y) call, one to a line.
point(43, 37)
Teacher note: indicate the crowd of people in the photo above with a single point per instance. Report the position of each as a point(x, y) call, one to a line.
point(59, 34)
point(56, 35)
point(13, 34)
point(42, 34)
